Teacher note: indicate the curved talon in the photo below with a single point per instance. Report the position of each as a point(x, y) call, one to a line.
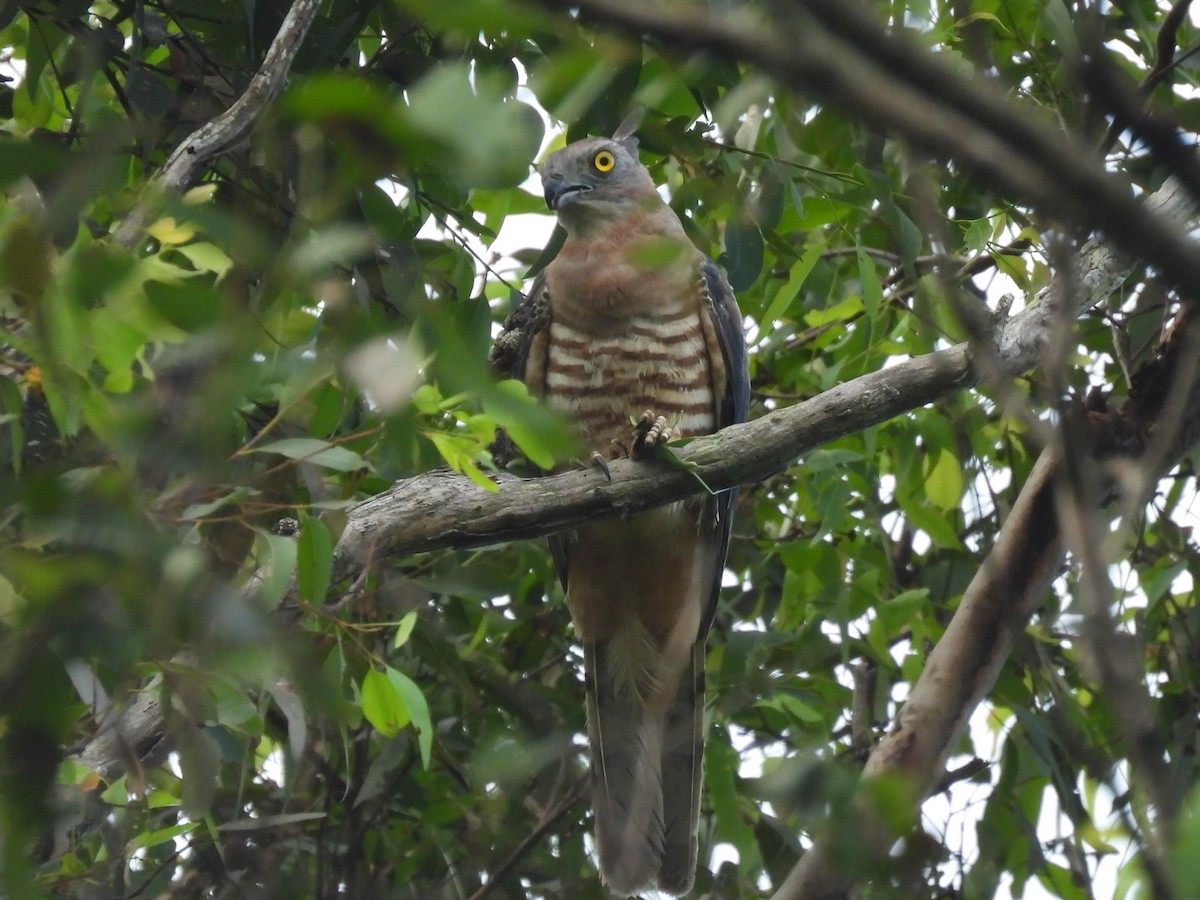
point(601, 463)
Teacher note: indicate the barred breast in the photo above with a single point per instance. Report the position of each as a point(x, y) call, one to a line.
point(658, 362)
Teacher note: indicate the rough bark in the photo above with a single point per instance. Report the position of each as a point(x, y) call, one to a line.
point(439, 509)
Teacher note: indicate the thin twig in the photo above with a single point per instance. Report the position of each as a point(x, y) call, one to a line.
point(548, 821)
point(226, 130)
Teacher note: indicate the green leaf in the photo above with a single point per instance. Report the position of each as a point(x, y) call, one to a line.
point(845, 309)
point(539, 433)
point(314, 560)
point(794, 707)
point(896, 613)
point(159, 836)
point(290, 704)
point(404, 630)
point(868, 279)
point(459, 454)
point(200, 763)
point(503, 135)
point(10, 600)
point(391, 700)
point(943, 479)
point(1061, 23)
point(276, 565)
point(117, 346)
point(1060, 882)
point(207, 258)
point(169, 232)
point(786, 294)
point(418, 711)
point(1185, 854)
point(332, 246)
point(234, 708)
point(382, 703)
point(720, 776)
point(933, 522)
point(233, 499)
point(319, 453)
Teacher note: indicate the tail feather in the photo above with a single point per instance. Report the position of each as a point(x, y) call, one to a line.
point(646, 740)
point(682, 776)
point(626, 742)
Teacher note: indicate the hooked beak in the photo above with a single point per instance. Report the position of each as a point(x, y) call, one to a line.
point(559, 193)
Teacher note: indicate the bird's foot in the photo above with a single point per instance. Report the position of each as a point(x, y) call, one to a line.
point(649, 431)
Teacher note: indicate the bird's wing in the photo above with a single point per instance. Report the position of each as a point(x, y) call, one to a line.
point(733, 403)
point(731, 387)
point(683, 733)
point(522, 338)
point(519, 352)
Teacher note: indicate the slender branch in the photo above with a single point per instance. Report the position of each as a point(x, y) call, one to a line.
point(1052, 511)
point(226, 130)
point(958, 674)
point(531, 840)
point(1166, 43)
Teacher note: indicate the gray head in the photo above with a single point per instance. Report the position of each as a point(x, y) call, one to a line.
point(596, 179)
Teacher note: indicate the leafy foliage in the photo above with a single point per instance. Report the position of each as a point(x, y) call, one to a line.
point(311, 323)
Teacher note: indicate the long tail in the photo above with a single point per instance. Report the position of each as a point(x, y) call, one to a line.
point(683, 775)
point(647, 758)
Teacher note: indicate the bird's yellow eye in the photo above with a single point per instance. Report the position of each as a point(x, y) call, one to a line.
point(604, 161)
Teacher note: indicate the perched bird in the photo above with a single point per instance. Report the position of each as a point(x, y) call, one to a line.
point(630, 322)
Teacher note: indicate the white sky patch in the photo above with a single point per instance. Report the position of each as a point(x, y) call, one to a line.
point(12, 71)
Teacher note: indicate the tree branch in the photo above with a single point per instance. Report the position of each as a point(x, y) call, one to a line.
point(440, 509)
point(838, 54)
point(223, 132)
point(958, 674)
point(1008, 588)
